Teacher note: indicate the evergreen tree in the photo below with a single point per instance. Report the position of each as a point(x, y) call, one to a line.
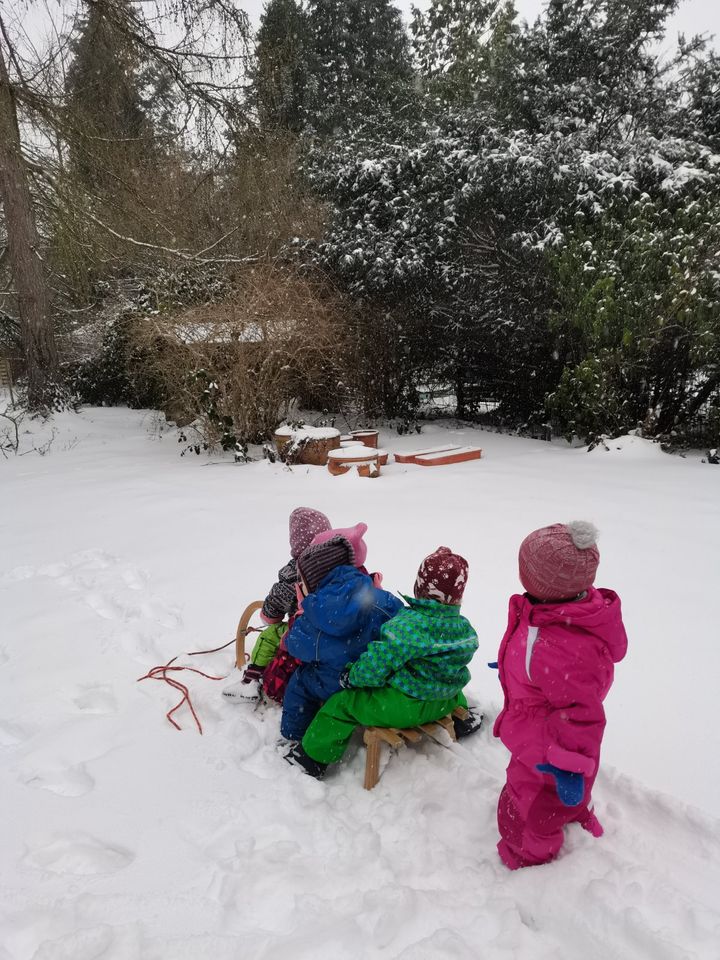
point(359, 59)
point(280, 76)
point(698, 113)
point(457, 44)
point(590, 63)
point(107, 127)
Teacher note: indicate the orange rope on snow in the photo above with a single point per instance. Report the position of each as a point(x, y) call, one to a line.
point(161, 673)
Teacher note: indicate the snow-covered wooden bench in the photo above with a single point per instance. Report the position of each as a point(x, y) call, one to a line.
point(439, 456)
point(442, 458)
point(398, 737)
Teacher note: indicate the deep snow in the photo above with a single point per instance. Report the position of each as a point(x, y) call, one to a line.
point(122, 838)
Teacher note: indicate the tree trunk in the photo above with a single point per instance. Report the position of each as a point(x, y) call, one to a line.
point(26, 264)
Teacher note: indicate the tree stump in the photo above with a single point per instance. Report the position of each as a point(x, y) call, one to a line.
point(369, 438)
point(310, 445)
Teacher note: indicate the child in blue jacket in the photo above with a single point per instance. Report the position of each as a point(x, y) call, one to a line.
point(341, 614)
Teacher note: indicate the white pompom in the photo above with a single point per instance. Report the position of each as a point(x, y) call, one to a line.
point(583, 534)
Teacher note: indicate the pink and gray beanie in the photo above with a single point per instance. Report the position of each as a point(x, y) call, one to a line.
point(442, 576)
point(305, 524)
point(354, 535)
point(559, 562)
point(317, 561)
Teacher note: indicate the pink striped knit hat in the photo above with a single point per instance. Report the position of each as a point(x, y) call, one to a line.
point(559, 562)
point(353, 534)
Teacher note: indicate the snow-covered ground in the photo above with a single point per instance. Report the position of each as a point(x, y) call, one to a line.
point(122, 838)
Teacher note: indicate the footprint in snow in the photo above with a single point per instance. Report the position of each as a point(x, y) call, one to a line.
point(103, 606)
point(93, 943)
point(17, 574)
point(11, 734)
point(134, 578)
point(79, 854)
point(96, 699)
point(73, 781)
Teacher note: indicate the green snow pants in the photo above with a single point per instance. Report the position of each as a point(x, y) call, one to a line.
point(267, 643)
point(327, 736)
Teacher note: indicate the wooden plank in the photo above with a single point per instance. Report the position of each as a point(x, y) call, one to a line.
point(433, 730)
point(410, 733)
point(372, 760)
point(389, 736)
point(447, 724)
point(409, 456)
point(451, 456)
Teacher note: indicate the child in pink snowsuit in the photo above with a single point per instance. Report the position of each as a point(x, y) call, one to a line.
point(556, 665)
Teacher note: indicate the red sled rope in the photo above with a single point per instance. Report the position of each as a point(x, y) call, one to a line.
point(161, 673)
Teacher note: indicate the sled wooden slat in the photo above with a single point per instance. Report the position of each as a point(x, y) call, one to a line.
point(373, 737)
point(410, 734)
point(242, 631)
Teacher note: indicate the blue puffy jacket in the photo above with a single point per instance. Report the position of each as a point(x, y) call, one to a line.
point(340, 619)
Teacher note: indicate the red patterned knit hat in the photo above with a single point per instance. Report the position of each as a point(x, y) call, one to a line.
point(559, 562)
point(305, 524)
point(442, 576)
point(316, 562)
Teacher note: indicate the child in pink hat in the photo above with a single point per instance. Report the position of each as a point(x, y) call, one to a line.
point(281, 602)
point(556, 666)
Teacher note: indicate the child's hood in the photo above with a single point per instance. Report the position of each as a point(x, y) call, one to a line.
point(305, 523)
point(345, 601)
point(598, 613)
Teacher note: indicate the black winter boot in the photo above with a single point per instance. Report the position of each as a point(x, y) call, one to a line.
point(299, 758)
point(472, 723)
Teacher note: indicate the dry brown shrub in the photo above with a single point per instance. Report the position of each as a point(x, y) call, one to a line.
point(236, 367)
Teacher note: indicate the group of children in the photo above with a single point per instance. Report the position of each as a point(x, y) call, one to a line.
point(353, 654)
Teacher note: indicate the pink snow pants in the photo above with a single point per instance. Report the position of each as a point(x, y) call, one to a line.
point(531, 817)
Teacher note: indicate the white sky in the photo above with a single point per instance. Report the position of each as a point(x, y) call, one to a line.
point(693, 17)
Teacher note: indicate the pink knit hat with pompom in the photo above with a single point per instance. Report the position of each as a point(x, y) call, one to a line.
point(559, 562)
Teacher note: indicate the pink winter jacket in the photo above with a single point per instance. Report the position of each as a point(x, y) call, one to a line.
point(556, 667)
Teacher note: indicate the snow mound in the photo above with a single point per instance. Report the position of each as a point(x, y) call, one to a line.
point(308, 433)
point(630, 446)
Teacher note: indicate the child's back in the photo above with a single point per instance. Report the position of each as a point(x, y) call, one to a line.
point(340, 619)
point(556, 666)
point(423, 651)
point(559, 654)
point(341, 615)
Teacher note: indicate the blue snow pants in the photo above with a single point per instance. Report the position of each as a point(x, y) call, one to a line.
point(309, 687)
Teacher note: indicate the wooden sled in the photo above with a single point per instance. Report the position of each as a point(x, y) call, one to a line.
point(242, 632)
point(397, 737)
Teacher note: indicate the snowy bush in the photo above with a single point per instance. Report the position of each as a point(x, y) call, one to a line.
point(639, 315)
point(234, 367)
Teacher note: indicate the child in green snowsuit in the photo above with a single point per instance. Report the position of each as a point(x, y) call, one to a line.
point(413, 674)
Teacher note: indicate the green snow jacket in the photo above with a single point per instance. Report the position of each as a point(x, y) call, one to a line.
point(423, 652)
